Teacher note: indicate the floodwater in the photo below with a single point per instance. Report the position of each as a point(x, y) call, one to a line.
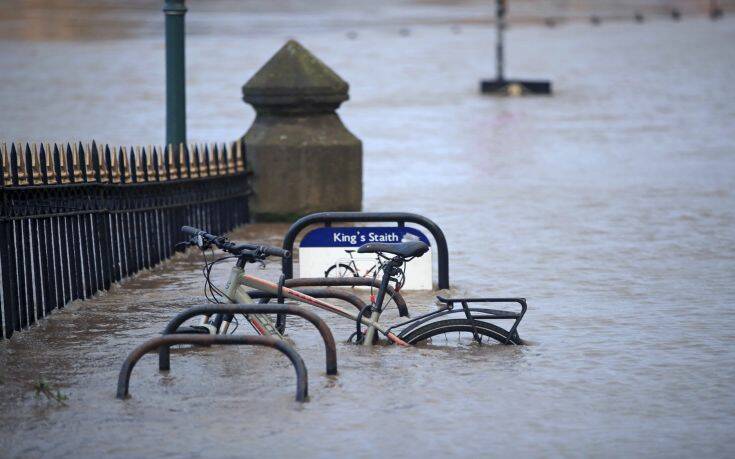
point(610, 206)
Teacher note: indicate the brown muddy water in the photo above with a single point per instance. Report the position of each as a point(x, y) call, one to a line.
point(610, 206)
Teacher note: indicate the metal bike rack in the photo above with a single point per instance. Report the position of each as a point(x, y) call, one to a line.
point(123, 380)
point(401, 218)
point(348, 297)
point(164, 352)
point(349, 282)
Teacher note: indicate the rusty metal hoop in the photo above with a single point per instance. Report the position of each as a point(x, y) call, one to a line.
point(326, 292)
point(349, 282)
point(164, 352)
point(123, 380)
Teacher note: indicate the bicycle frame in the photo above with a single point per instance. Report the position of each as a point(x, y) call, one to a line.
point(264, 325)
point(270, 287)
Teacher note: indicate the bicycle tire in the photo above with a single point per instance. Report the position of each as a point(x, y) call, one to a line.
point(191, 330)
point(487, 329)
point(347, 268)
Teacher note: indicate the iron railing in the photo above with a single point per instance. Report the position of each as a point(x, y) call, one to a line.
point(77, 218)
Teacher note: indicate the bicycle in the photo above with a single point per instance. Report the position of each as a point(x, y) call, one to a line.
point(421, 329)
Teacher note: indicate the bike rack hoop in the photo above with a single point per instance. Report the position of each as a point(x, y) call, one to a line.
point(349, 282)
point(164, 352)
point(325, 292)
point(123, 380)
point(401, 218)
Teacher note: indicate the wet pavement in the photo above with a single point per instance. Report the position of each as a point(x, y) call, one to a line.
point(610, 206)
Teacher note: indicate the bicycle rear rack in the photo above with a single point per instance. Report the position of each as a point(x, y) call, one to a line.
point(123, 380)
point(164, 352)
point(480, 314)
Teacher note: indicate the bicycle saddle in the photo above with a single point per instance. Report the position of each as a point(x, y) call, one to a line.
point(402, 249)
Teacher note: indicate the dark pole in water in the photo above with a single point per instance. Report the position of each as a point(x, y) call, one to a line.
point(499, 26)
point(500, 85)
point(175, 72)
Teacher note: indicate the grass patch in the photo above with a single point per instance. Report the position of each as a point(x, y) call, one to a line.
point(43, 387)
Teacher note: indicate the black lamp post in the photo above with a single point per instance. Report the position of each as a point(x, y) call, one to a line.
point(175, 72)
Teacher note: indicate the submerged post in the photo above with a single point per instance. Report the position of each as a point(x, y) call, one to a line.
point(500, 85)
point(175, 72)
point(499, 27)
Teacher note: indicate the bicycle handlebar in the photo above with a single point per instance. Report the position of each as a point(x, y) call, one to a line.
point(236, 249)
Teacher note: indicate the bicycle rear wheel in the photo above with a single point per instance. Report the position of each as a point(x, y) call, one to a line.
point(427, 334)
point(340, 270)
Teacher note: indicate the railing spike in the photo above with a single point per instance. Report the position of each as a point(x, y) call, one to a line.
point(197, 162)
point(143, 162)
point(43, 164)
point(108, 164)
point(49, 162)
point(225, 159)
point(206, 160)
point(4, 176)
point(171, 152)
point(88, 161)
point(70, 164)
point(151, 166)
point(58, 164)
point(132, 165)
point(185, 160)
point(13, 164)
point(121, 162)
point(36, 164)
point(26, 166)
point(156, 170)
point(96, 163)
point(215, 153)
point(82, 162)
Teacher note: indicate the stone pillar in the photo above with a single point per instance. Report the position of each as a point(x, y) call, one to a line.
point(304, 160)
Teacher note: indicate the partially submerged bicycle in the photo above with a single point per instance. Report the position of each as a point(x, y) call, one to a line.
point(471, 321)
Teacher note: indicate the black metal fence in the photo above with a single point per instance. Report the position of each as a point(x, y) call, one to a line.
point(77, 218)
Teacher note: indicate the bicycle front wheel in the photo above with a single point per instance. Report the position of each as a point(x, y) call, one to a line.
point(458, 331)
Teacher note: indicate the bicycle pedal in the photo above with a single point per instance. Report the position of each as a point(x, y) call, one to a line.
point(210, 329)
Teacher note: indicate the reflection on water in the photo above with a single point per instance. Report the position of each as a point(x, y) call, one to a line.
point(610, 206)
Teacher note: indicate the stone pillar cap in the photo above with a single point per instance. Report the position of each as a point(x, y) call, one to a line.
point(295, 79)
